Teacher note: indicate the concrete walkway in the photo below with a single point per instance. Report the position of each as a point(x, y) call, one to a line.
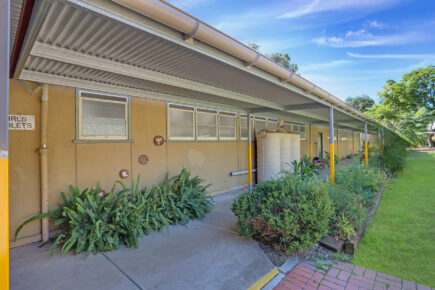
point(207, 254)
point(306, 275)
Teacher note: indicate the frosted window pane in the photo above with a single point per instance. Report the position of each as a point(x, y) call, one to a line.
point(207, 125)
point(228, 132)
point(100, 109)
point(207, 131)
point(272, 125)
point(244, 127)
point(181, 123)
point(206, 119)
point(259, 125)
point(227, 126)
point(103, 127)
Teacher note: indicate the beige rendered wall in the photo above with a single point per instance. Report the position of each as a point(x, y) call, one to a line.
point(81, 164)
point(85, 164)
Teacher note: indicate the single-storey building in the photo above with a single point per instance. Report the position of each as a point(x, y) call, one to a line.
point(103, 90)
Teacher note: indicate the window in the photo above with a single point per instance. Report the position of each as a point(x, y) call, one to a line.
point(181, 120)
point(272, 124)
point(259, 124)
point(288, 126)
point(102, 116)
point(227, 126)
point(303, 132)
point(206, 124)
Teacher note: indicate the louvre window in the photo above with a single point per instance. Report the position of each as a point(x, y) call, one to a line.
point(181, 121)
point(103, 117)
point(259, 124)
point(227, 126)
point(206, 126)
point(303, 132)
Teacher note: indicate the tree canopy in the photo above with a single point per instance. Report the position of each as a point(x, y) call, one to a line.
point(408, 106)
point(361, 103)
point(280, 58)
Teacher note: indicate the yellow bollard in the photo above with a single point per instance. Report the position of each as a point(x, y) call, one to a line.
point(332, 162)
point(311, 152)
point(4, 223)
point(250, 166)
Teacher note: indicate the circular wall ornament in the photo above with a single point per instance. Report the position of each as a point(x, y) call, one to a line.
point(159, 140)
point(143, 159)
point(123, 173)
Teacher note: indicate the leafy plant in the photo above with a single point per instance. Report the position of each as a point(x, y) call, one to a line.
point(290, 214)
point(349, 213)
point(92, 222)
point(303, 169)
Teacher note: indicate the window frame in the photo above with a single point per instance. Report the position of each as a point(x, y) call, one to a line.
point(102, 138)
point(304, 138)
point(198, 138)
point(227, 114)
point(168, 122)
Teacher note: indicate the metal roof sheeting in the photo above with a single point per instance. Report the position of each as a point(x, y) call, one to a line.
point(73, 28)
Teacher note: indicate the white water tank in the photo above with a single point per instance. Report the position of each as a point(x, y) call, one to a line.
point(275, 152)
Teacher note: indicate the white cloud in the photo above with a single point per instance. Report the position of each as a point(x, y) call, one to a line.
point(375, 24)
point(362, 38)
point(326, 65)
point(318, 6)
point(392, 56)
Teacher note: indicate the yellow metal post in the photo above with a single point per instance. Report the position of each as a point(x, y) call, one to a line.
point(4, 144)
point(338, 144)
point(331, 145)
point(366, 150)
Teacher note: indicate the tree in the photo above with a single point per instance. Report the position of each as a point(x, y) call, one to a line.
point(280, 58)
point(408, 106)
point(360, 103)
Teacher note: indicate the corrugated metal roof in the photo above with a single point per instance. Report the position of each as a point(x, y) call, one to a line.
point(15, 11)
point(79, 30)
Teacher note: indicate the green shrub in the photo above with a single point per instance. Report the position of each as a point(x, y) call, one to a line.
point(392, 155)
point(289, 214)
point(349, 212)
point(91, 222)
point(361, 180)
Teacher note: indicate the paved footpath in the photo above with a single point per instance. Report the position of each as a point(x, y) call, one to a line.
point(306, 275)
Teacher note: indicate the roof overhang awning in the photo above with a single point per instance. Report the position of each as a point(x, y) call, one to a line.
point(100, 45)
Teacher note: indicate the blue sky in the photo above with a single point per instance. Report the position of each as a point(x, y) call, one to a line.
point(348, 47)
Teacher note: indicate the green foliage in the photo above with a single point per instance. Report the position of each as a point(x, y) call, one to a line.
point(349, 212)
point(289, 213)
point(392, 155)
point(304, 169)
point(361, 180)
point(282, 59)
point(361, 103)
point(351, 195)
point(407, 106)
point(92, 222)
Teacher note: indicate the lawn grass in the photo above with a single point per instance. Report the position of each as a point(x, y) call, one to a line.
point(401, 238)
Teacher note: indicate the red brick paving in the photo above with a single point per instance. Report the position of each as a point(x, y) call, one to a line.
point(306, 275)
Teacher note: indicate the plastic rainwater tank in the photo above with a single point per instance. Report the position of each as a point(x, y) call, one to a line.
point(275, 152)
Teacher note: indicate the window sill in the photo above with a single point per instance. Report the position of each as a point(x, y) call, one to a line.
point(101, 141)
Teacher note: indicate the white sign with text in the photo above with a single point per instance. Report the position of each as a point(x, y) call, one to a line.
point(21, 122)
